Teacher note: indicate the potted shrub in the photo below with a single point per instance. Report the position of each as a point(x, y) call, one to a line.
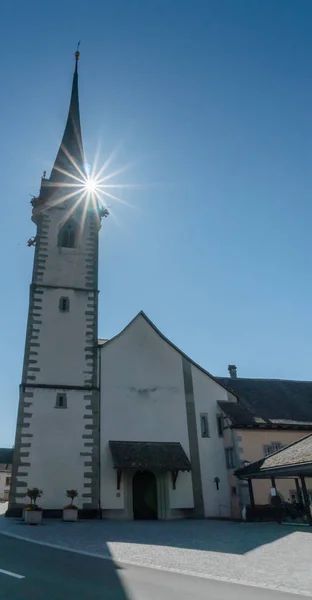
point(33, 512)
point(70, 512)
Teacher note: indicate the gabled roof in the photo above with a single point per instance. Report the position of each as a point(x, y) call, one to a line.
point(104, 343)
point(6, 456)
point(294, 457)
point(269, 403)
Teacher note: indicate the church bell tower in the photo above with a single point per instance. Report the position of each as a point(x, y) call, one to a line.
point(57, 433)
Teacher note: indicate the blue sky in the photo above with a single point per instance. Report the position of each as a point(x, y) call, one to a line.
point(212, 103)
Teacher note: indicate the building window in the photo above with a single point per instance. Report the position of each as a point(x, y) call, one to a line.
point(234, 490)
point(67, 235)
point(204, 427)
point(220, 425)
point(61, 401)
point(64, 304)
point(230, 458)
point(7, 481)
point(271, 448)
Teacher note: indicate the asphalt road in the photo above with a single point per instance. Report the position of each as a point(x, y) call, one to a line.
point(59, 575)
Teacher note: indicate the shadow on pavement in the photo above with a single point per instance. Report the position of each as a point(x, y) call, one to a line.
point(56, 574)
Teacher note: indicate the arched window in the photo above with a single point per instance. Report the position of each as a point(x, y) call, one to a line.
point(67, 235)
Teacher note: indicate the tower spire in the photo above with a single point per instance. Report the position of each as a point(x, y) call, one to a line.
point(70, 157)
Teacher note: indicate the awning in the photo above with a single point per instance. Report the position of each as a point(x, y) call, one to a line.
point(167, 456)
point(291, 461)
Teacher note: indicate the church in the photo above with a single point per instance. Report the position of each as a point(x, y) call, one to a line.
point(131, 423)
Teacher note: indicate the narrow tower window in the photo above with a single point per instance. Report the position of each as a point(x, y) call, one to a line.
point(204, 425)
point(64, 304)
point(220, 425)
point(61, 401)
point(67, 235)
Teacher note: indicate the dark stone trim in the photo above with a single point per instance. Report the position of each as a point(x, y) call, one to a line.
point(63, 287)
point(91, 368)
point(16, 461)
point(56, 386)
point(199, 510)
point(53, 513)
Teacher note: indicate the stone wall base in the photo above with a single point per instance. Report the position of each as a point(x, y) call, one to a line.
point(54, 513)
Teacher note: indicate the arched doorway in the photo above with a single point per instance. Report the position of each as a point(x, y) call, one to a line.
point(144, 491)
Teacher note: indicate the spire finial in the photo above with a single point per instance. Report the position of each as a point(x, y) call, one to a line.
point(77, 54)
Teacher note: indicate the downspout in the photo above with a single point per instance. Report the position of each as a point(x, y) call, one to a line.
point(99, 431)
point(238, 463)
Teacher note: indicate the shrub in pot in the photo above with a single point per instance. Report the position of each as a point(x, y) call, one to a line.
point(33, 512)
point(70, 512)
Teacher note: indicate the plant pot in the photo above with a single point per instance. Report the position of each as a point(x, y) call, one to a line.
point(33, 517)
point(70, 514)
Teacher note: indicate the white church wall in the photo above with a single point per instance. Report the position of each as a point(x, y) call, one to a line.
point(207, 392)
point(62, 338)
point(142, 399)
point(65, 266)
point(182, 496)
point(56, 446)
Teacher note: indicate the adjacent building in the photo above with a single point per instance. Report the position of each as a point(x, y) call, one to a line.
point(5, 473)
point(270, 414)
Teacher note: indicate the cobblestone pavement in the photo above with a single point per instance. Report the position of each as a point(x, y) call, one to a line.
point(266, 555)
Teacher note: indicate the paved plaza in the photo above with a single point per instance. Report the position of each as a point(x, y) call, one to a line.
point(260, 554)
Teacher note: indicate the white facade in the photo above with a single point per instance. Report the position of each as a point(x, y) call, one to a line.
point(56, 444)
point(143, 400)
point(207, 392)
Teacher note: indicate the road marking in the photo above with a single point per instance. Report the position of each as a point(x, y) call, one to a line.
point(16, 575)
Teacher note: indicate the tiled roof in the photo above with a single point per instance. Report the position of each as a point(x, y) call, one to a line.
point(149, 455)
point(297, 453)
point(269, 402)
point(6, 456)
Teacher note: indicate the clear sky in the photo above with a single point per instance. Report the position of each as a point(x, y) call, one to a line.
point(211, 104)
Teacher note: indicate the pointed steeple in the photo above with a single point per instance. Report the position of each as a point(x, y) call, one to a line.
point(70, 157)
